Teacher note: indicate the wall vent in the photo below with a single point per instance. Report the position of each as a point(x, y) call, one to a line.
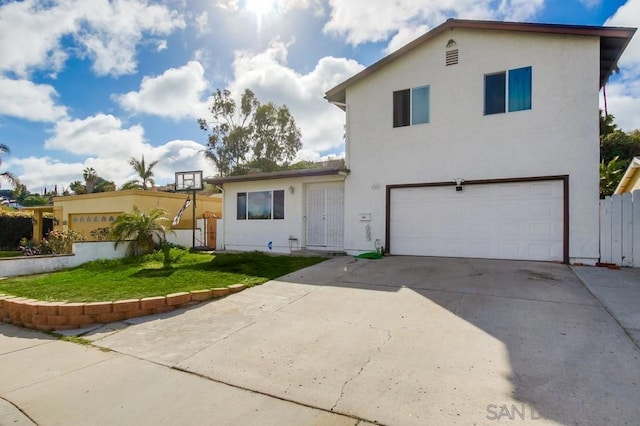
point(451, 57)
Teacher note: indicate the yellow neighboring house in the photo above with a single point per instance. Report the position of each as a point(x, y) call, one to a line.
point(631, 180)
point(87, 212)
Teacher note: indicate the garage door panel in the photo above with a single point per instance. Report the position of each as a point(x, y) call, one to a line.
point(502, 221)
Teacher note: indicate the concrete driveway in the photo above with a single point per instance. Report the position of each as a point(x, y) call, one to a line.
point(405, 341)
point(410, 340)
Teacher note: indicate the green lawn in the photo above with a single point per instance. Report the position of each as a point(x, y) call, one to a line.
point(106, 280)
point(11, 253)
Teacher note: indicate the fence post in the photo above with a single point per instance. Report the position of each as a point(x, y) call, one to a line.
point(605, 230)
point(627, 229)
point(636, 228)
point(616, 229)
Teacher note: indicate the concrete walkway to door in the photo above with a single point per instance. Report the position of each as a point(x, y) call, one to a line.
point(399, 341)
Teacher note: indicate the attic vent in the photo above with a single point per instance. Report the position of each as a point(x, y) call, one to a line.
point(451, 57)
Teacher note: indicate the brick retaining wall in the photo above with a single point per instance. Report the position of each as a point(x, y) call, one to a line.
point(48, 316)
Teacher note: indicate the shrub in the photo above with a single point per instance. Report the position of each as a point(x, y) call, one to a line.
point(61, 242)
point(101, 234)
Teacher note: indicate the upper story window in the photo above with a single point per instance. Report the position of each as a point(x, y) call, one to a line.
point(411, 106)
point(260, 205)
point(507, 91)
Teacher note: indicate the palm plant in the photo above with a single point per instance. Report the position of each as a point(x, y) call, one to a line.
point(8, 176)
point(144, 231)
point(610, 175)
point(144, 171)
point(90, 175)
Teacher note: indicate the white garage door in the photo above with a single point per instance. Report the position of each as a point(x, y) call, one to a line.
point(494, 221)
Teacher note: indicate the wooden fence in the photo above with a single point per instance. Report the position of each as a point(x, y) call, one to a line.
point(620, 229)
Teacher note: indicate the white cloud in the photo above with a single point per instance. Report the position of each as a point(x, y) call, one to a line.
point(362, 21)
point(177, 155)
point(30, 24)
point(623, 101)
point(590, 4)
point(202, 23)
point(628, 15)
point(161, 45)
point(100, 135)
point(404, 36)
point(268, 75)
point(623, 93)
point(33, 102)
point(175, 94)
point(108, 145)
point(107, 31)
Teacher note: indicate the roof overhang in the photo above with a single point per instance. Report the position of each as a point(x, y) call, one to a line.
point(286, 174)
point(613, 41)
point(628, 176)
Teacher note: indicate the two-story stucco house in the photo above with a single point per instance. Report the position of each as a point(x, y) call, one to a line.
point(478, 139)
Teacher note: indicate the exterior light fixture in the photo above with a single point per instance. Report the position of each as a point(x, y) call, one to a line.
point(459, 182)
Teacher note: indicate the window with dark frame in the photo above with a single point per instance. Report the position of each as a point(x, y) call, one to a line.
point(260, 205)
point(401, 108)
point(508, 91)
point(411, 106)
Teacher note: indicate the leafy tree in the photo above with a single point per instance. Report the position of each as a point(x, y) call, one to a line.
point(35, 200)
point(20, 192)
point(78, 187)
point(6, 175)
point(144, 171)
point(266, 134)
point(93, 183)
point(617, 149)
point(141, 228)
point(103, 185)
point(620, 144)
point(607, 124)
point(610, 175)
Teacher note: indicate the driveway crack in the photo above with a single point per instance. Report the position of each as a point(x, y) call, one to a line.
point(344, 385)
point(459, 304)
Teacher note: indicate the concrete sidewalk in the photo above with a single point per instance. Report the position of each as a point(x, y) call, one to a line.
point(61, 383)
point(619, 291)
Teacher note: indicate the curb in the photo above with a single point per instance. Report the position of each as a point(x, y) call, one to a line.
point(49, 316)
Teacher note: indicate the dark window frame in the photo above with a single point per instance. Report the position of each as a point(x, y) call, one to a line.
point(404, 106)
point(276, 205)
point(498, 92)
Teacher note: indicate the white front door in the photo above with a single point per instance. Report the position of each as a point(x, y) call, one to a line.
point(325, 212)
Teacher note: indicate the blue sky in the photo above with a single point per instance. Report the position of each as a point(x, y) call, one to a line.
point(92, 83)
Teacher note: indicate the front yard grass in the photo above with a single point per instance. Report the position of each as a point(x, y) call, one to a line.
point(10, 253)
point(146, 276)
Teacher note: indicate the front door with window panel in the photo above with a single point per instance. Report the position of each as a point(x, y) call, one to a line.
point(325, 210)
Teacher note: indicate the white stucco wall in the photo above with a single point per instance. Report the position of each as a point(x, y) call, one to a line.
point(83, 251)
point(248, 235)
point(558, 136)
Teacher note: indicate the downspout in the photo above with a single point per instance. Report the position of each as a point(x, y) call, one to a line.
point(223, 220)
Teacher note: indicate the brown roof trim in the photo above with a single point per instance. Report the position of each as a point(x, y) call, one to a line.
point(277, 175)
point(613, 42)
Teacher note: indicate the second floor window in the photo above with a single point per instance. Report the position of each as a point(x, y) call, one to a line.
point(507, 91)
point(411, 106)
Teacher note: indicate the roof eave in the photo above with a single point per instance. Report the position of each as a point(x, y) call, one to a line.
point(338, 93)
point(633, 168)
point(287, 174)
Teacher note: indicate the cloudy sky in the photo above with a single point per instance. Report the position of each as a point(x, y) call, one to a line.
point(92, 83)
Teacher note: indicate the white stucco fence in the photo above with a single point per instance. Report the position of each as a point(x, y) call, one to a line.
point(83, 252)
